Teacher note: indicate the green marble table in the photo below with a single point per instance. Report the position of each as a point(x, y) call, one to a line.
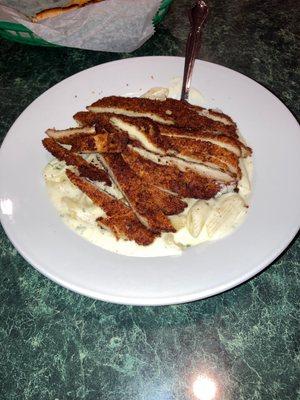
point(56, 344)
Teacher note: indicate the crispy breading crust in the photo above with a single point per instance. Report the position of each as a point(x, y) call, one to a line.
point(138, 195)
point(108, 203)
point(103, 143)
point(85, 118)
point(100, 121)
point(212, 113)
point(203, 152)
point(66, 136)
point(104, 122)
point(146, 127)
point(228, 119)
point(120, 219)
point(176, 111)
point(207, 152)
point(169, 204)
point(85, 169)
point(187, 184)
point(240, 149)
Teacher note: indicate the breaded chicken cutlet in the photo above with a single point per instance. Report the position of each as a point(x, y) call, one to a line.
point(141, 198)
point(85, 169)
point(170, 112)
point(89, 139)
point(120, 219)
point(204, 152)
point(229, 143)
point(187, 184)
point(157, 153)
point(146, 133)
point(66, 136)
point(100, 143)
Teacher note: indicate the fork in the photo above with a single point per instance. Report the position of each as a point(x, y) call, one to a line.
point(197, 16)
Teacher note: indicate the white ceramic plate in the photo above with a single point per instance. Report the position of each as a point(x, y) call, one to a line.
point(38, 233)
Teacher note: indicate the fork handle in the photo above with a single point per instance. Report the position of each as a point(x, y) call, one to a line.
point(197, 16)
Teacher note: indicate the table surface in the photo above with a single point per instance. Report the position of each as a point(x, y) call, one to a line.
point(56, 344)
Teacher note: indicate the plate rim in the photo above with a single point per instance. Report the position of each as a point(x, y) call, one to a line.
point(155, 301)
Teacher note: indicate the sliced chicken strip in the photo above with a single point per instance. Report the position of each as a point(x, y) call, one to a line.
point(213, 114)
point(100, 121)
point(120, 219)
point(229, 143)
point(64, 136)
point(206, 153)
point(103, 143)
point(183, 165)
point(169, 203)
point(137, 193)
point(85, 169)
point(170, 112)
point(187, 184)
point(143, 131)
point(84, 118)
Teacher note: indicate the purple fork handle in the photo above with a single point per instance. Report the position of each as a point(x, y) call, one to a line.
point(197, 16)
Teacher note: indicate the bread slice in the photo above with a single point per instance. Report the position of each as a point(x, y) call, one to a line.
point(56, 11)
